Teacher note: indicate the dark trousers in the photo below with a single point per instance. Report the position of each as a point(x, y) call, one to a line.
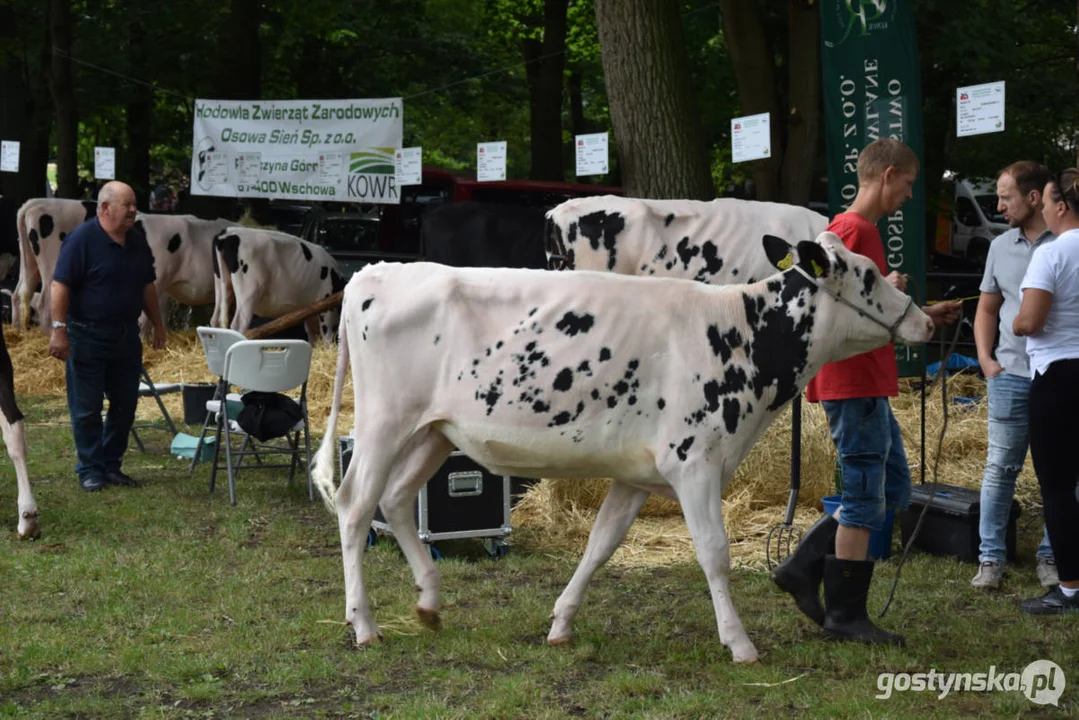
point(1054, 427)
point(103, 362)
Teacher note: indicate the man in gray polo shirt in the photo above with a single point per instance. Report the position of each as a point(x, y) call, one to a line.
point(1019, 189)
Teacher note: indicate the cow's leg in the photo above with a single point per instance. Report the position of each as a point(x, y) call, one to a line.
point(245, 313)
point(416, 464)
point(700, 494)
point(15, 440)
point(616, 514)
point(313, 330)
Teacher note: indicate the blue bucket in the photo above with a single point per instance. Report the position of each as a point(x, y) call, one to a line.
point(880, 541)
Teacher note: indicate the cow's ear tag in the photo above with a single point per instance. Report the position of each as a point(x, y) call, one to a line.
point(818, 271)
point(786, 262)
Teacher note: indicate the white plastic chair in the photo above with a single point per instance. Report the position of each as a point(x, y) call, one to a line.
point(215, 343)
point(267, 366)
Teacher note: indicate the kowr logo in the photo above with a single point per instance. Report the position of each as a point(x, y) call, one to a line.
point(371, 175)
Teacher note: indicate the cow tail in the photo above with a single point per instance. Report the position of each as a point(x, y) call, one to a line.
point(322, 472)
point(20, 300)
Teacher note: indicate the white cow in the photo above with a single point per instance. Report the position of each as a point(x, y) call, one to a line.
point(273, 273)
point(717, 242)
point(11, 423)
point(663, 385)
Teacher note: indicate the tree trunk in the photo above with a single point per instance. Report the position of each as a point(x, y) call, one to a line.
point(576, 101)
point(754, 72)
point(239, 74)
point(1077, 75)
point(62, 86)
point(139, 119)
point(16, 110)
point(654, 112)
point(546, 59)
point(803, 118)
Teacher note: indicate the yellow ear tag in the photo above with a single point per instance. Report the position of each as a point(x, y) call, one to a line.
point(786, 262)
point(818, 271)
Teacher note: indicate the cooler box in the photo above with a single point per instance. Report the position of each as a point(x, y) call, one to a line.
point(951, 524)
point(462, 500)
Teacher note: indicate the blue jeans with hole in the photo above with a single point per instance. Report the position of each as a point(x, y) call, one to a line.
point(103, 362)
point(1008, 442)
point(876, 475)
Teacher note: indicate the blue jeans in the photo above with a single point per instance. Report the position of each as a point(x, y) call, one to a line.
point(876, 475)
point(103, 362)
point(1008, 440)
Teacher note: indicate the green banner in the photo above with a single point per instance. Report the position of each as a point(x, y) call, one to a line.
point(872, 90)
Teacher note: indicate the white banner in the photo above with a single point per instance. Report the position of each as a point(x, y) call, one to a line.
point(336, 150)
point(9, 156)
point(751, 138)
point(409, 166)
point(105, 163)
point(979, 109)
point(592, 154)
point(491, 161)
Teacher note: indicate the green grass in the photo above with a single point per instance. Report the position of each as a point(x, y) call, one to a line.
point(165, 602)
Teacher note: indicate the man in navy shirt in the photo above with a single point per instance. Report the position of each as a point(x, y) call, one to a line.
point(103, 281)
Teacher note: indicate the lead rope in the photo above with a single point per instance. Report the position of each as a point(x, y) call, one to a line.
point(942, 376)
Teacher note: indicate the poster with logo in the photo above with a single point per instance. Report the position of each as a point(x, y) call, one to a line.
point(9, 156)
point(872, 89)
point(751, 138)
point(409, 166)
point(337, 150)
point(593, 154)
point(105, 163)
point(491, 161)
point(979, 109)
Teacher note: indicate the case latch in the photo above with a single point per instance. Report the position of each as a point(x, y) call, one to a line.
point(466, 484)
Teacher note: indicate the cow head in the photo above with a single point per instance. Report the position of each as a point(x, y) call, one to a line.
point(855, 304)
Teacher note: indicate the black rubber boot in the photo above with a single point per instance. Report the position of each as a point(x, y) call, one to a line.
point(802, 572)
point(846, 587)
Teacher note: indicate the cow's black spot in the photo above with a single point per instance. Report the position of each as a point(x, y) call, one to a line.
point(612, 401)
point(438, 338)
point(243, 268)
point(621, 387)
point(868, 282)
point(174, 243)
point(584, 367)
point(731, 410)
point(595, 394)
point(684, 447)
point(324, 272)
point(540, 407)
point(713, 262)
point(492, 394)
point(532, 312)
point(531, 346)
point(723, 345)
point(367, 303)
point(661, 403)
point(880, 308)
point(306, 252)
point(668, 220)
point(734, 272)
point(572, 323)
point(735, 381)
point(632, 400)
point(63, 236)
point(337, 283)
point(46, 224)
point(90, 209)
point(686, 252)
point(229, 247)
point(498, 345)
point(780, 342)
point(711, 395)
point(561, 418)
point(603, 227)
point(564, 380)
point(34, 244)
point(662, 253)
point(604, 354)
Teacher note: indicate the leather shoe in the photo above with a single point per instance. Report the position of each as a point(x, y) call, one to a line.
point(118, 478)
point(1053, 602)
point(92, 483)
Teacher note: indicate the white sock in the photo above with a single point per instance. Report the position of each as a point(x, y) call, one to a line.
point(1069, 592)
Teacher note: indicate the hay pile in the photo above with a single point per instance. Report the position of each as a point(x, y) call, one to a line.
point(557, 514)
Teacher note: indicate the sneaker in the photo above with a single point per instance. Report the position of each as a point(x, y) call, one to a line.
point(1047, 572)
point(1053, 602)
point(118, 478)
point(989, 575)
point(92, 483)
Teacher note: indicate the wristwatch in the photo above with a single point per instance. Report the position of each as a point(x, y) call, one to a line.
point(58, 324)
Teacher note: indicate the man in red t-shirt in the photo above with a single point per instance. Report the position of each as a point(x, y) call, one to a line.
point(854, 394)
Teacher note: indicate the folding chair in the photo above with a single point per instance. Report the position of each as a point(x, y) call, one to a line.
point(266, 366)
point(147, 388)
point(215, 343)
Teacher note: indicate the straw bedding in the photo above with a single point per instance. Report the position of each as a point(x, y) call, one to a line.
point(557, 515)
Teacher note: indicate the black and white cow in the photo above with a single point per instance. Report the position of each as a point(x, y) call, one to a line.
point(271, 274)
point(474, 234)
point(11, 423)
point(715, 242)
point(662, 384)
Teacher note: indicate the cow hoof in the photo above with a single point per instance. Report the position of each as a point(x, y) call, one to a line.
point(429, 618)
point(29, 529)
point(559, 641)
point(370, 641)
point(746, 657)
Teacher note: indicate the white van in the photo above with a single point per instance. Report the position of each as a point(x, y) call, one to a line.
point(975, 220)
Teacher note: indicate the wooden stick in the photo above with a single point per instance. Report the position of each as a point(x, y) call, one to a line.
point(295, 317)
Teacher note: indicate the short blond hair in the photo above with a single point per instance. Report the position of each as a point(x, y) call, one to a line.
point(882, 154)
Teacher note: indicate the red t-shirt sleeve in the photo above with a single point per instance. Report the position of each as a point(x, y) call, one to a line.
point(871, 374)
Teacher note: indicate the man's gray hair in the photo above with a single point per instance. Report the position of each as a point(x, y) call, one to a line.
point(108, 193)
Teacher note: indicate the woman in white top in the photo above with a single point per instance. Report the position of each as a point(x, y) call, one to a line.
point(1049, 318)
